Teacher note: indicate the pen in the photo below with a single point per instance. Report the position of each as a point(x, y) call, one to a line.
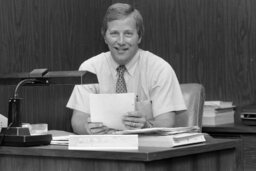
point(137, 98)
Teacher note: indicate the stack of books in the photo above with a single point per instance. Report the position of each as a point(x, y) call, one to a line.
point(218, 112)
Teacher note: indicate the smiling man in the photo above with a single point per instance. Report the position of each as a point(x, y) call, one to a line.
point(148, 76)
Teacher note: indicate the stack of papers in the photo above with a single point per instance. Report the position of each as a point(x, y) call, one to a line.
point(218, 112)
point(63, 137)
point(103, 142)
point(161, 130)
point(60, 140)
point(218, 104)
point(171, 140)
point(60, 137)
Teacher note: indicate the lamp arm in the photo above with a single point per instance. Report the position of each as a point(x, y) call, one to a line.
point(21, 83)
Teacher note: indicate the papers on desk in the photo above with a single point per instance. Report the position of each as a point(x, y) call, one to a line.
point(171, 140)
point(97, 142)
point(110, 108)
point(61, 140)
point(167, 137)
point(161, 131)
point(60, 137)
point(218, 112)
point(130, 139)
point(103, 142)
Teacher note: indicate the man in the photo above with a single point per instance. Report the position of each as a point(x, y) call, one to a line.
point(143, 73)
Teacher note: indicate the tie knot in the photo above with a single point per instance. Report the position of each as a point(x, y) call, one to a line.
point(121, 69)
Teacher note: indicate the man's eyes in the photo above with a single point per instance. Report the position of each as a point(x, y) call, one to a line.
point(113, 33)
point(126, 34)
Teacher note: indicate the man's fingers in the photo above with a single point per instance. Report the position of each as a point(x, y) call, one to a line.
point(134, 114)
point(98, 130)
point(95, 124)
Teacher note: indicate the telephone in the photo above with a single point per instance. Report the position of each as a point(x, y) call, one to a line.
point(3, 121)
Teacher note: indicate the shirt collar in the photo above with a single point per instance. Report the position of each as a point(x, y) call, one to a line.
point(131, 66)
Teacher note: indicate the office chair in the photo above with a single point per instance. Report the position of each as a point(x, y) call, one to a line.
point(194, 96)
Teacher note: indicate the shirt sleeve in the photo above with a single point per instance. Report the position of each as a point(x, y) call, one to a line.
point(79, 99)
point(166, 93)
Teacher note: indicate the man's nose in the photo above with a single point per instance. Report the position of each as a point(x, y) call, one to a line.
point(120, 39)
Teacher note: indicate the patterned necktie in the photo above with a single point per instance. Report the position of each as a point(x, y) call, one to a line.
point(120, 84)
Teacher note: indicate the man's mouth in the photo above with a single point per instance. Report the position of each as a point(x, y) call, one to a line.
point(121, 50)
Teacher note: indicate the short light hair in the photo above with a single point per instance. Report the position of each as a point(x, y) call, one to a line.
point(119, 11)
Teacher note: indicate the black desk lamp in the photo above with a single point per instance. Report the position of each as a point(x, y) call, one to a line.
point(15, 134)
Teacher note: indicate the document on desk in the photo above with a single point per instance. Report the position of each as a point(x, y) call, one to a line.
point(110, 108)
point(161, 130)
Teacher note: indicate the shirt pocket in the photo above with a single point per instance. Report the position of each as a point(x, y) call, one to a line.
point(145, 107)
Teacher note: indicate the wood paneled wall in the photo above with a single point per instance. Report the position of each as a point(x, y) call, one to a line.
point(212, 42)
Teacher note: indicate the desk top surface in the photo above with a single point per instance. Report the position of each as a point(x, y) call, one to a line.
point(143, 154)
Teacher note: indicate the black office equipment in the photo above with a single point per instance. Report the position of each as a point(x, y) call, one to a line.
point(248, 115)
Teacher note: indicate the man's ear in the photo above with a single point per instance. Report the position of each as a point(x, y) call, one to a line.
point(105, 40)
point(139, 40)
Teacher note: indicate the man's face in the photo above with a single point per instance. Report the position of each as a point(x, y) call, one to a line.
point(122, 39)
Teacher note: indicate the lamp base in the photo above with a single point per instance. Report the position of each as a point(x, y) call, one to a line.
point(20, 137)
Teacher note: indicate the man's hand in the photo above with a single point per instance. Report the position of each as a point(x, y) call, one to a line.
point(134, 120)
point(97, 128)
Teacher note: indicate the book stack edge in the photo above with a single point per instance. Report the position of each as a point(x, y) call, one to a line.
point(217, 113)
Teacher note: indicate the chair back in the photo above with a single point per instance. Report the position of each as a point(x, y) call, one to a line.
point(194, 96)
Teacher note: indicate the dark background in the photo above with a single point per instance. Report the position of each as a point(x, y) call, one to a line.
point(212, 42)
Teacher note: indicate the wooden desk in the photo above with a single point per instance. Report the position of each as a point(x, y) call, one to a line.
point(238, 131)
point(215, 154)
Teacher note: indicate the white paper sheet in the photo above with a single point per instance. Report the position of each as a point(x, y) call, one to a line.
point(3, 121)
point(103, 142)
point(109, 108)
